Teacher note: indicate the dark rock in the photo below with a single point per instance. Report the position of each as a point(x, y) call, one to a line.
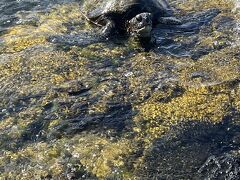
point(181, 153)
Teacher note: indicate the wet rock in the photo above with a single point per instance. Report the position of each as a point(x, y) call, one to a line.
point(236, 139)
point(114, 118)
point(183, 150)
point(237, 55)
point(199, 75)
point(225, 166)
point(91, 94)
point(73, 88)
point(77, 171)
point(225, 23)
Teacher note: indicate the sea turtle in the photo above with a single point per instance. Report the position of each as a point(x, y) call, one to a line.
point(134, 17)
point(125, 17)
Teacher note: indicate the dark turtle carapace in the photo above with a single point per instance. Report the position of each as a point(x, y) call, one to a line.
point(134, 17)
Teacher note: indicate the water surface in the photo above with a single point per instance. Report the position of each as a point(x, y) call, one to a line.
point(111, 110)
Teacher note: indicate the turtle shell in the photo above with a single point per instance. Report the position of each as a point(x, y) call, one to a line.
point(127, 9)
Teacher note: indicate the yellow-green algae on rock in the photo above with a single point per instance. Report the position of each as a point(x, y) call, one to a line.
point(101, 156)
point(41, 73)
point(201, 98)
point(27, 35)
point(98, 154)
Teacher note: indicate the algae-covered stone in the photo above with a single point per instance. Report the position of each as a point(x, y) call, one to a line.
point(109, 110)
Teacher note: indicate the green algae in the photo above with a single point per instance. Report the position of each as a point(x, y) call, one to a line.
point(219, 66)
point(38, 155)
point(195, 98)
point(24, 36)
point(101, 156)
point(98, 155)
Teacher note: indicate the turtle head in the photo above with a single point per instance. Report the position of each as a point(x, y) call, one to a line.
point(140, 25)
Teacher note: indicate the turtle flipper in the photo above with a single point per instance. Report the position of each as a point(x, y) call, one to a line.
point(169, 20)
point(76, 39)
point(109, 29)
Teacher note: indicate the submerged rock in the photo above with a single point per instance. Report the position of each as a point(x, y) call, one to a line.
point(226, 166)
point(193, 150)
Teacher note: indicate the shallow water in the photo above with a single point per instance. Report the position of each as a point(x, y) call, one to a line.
point(111, 110)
